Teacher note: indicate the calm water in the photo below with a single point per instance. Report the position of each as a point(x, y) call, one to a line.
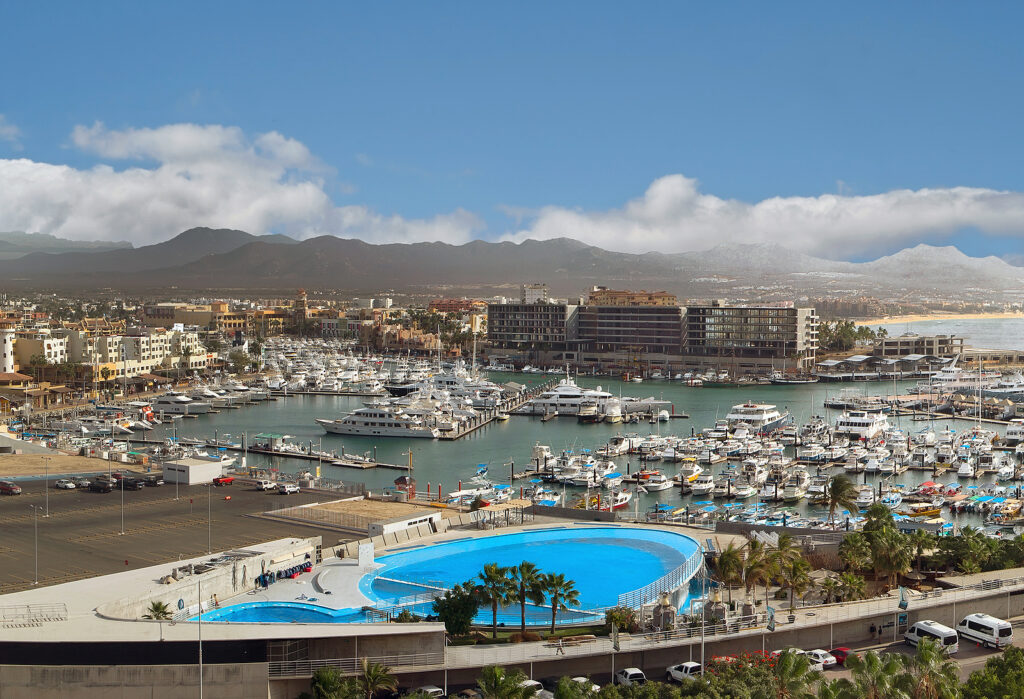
point(500, 443)
point(986, 333)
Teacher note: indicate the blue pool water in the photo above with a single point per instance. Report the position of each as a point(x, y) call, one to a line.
point(603, 561)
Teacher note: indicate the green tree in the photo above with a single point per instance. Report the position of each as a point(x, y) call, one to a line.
point(374, 678)
point(158, 610)
point(873, 676)
point(105, 373)
point(622, 618)
point(793, 677)
point(562, 593)
point(239, 361)
point(877, 517)
point(920, 541)
point(930, 673)
point(1001, 675)
point(457, 607)
point(568, 688)
point(796, 577)
point(757, 567)
point(494, 589)
point(891, 555)
point(852, 586)
point(527, 587)
point(728, 566)
point(830, 589)
point(840, 494)
point(496, 683)
point(328, 683)
point(855, 551)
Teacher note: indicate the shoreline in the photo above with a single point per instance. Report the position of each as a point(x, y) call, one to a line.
point(926, 317)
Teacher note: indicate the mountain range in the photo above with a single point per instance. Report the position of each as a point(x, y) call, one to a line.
point(203, 258)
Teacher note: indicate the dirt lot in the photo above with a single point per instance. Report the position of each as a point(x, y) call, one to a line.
point(35, 465)
point(383, 510)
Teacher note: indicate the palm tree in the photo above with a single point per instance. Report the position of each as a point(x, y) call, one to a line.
point(563, 594)
point(793, 677)
point(840, 494)
point(855, 551)
point(375, 677)
point(873, 676)
point(930, 673)
point(729, 566)
point(830, 588)
point(494, 589)
point(920, 540)
point(891, 555)
point(495, 683)
point(327, 683)
point(158, 610)
point(796, 578)
point(878, 517)
point(786, 550)
point(851, 586)
point(757, 566)
point(526, 587)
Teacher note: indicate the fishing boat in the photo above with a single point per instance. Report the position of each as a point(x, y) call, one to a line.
point(921, 509)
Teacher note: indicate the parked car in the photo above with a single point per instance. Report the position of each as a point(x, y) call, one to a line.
point(429, 690)
point(266, 485)
point(841, 654)
point(826, 659)
point(585, 681)
point(287, 488)
point(65, 484)
point(469, 694)
point(153, 481)
point(9, 488)
point(538, 689)
point(683, 672)
point(223, 480)
point(101, 486)
point(630, 676)
point(815, 665)
point(944, 636)
point(80, 482)
point(130, 484)
point(550, 683)
point(986, 630)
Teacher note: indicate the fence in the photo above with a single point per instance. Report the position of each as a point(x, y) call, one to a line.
point(666, 583)
point(32, 614)
point(324, 517)
point(352, 666)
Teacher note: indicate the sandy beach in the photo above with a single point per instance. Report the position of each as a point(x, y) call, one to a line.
point(888, 320)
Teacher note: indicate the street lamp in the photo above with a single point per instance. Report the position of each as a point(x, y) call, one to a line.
point(46, 483)
point(35, 536)
point(209, 518)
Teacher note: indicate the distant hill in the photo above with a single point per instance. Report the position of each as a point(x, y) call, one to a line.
point(203, 258)
point(15, 244)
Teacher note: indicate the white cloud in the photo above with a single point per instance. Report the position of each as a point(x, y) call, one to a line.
point(190, 175)
point(10, 133)
point(674, 216)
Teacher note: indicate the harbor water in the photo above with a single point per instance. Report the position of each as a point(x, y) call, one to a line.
point(506, 446)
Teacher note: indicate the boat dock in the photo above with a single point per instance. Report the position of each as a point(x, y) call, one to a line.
point(487, 415)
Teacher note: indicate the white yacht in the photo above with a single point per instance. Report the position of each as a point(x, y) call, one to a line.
point(1015, 432)
point(967, 469)
point(861, 424)
point(866, 496)
point(379, 422)
point(742, 490)
point(179, 404)
point(759, 417)
point(657, 482)
point(703, 484)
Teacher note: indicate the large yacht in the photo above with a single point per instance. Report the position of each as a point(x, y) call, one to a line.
point(759, 417)
point(567, 397)
point(178, 404)
point(1015, 432)
point(379, 422)
point(861, 424)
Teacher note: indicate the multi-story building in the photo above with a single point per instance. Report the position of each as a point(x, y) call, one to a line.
point(455, 305)
point(533, 293)
point(30, 344)
point(531, 326)
point(933, 345)
point(750, 339)
point(603, 296)
point(634, 329)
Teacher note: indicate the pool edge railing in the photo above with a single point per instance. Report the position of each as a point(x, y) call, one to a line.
point(666, 583)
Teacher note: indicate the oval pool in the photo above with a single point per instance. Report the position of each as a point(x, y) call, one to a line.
point(603, 562)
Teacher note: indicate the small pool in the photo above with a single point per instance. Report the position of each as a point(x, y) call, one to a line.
point(604, 562)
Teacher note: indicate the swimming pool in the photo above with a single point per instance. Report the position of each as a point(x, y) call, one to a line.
point(603, 561)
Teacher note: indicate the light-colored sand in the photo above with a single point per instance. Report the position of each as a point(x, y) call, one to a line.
point(382, 510)
point(34, 465)
point(888, 320)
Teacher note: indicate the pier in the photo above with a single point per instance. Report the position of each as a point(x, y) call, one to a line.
point(487, 415)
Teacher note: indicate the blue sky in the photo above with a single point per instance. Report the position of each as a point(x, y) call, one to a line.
point(421, 114)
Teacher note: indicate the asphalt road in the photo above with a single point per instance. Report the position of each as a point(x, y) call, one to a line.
point(83, 534)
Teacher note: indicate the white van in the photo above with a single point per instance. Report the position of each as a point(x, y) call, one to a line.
point(986, 630)
point(943, 635)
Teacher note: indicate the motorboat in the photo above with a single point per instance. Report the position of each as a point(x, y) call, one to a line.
point(703, 484)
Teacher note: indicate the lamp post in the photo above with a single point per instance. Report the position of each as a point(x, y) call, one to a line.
point(209, 518)
point(200, 583)
point(35, 537)
point(121, 484)
point(46, 483)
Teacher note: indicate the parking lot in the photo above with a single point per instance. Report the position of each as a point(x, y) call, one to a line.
point(83, 535)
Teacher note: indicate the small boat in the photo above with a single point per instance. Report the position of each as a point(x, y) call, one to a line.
point(656, 482)
point(921, 509)
point(866, 496)
point(501, 417)
point(703, 484)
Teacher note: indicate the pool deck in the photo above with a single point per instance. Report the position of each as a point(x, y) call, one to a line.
point(340, 577)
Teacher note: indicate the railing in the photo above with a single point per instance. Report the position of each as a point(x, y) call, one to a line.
point(666, 583)
point(351, 666)
point(33, 614)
